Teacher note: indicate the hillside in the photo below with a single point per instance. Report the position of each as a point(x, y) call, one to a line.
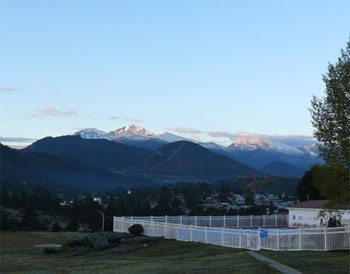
point(283, 169)
point(26, 169)
point(96, 152)
point(187, 158)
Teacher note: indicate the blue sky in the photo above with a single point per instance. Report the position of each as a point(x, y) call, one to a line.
point(225, 66)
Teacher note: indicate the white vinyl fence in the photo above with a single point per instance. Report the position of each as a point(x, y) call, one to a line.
point(217, 230)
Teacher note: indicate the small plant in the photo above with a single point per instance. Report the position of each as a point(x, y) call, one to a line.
point(97, 241)
point(136, 229)
point(56, 227)
point(77, 240)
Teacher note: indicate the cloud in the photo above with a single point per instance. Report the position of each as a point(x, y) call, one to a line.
point(53, 111)
point(256, 138)
point(16, 139)
point(126, 119)
point(221, 134)
point(185, 130)
point(5, 89)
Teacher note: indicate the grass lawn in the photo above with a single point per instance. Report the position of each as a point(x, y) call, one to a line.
point(334, 262)
point(19, 256)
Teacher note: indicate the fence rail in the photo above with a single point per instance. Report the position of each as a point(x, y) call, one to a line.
point(184, 229)
point(278, 220)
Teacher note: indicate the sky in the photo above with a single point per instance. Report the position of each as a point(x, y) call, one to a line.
point(185, 66)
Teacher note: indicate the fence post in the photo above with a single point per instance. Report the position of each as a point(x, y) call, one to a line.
point(275, 219)
point(237, 221)
point(191, 237)
point(195, 220)
point(123, 224)
point(224, 220)
point(132, 219)
point(278, 239)
point(153, 228)
point(325, 239)
point(177, 232)
point(240, 238)
point(259, 239)
point(222, 236)
point(151, 218)
point(166, 218)
point(165, 225)
point(206, 235)
point(181, 219)
point(251, 220)
point(210, 220)
point(264, 220)
point(299, 238)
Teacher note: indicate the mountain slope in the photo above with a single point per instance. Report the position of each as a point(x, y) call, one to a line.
point(24, 168)
point(185, 158)
point(95, 152)
point(282, 169)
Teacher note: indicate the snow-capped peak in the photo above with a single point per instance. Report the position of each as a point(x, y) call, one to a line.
point(90, 133)
point(248, 142)
point(129, 131)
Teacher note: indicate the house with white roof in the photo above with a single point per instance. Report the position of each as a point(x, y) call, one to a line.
point(307, 214)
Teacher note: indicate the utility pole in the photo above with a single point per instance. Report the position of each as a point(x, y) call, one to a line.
point(103, 220)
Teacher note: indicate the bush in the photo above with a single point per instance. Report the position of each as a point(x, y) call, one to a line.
point(97, 241)
point(56, 227)
point(51, 249)
point(136, 229)
point(334, 222)
point(73, 225)
point(76, 240)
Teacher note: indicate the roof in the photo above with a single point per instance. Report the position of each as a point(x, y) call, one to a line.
point(310, 204)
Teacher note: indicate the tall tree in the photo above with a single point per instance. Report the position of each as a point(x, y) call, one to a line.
point(307, 189)
point(331, 119)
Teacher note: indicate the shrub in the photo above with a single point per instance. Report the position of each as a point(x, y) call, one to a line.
point(334, 222)
point(73, 225)
point(51, 249)
point(136, 229)
point(97, 241)
point(76, 240)
point(56, 227)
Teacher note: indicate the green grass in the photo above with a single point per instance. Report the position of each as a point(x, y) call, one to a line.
point(19, 256)
point(335, 262)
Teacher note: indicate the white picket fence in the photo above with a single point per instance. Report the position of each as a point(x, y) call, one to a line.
point(278, 220)
point(196, 229)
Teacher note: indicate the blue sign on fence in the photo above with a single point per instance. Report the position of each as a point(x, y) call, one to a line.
point(264, 233)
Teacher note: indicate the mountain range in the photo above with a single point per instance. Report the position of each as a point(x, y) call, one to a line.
point(92, 159)
point(255, 153)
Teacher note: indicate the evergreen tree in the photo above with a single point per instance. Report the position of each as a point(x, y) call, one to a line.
point(307, 189)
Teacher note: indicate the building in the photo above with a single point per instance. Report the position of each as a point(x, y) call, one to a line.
point(307, 214)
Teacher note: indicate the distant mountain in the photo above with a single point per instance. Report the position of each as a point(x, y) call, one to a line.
point(25, 169)
point(96, 152)
point(170, 138)
point(252, 150)
point(185, 158)
point(282, 169)
point(130, 135)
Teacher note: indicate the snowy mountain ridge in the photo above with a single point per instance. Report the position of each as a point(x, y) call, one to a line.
point(244, 142)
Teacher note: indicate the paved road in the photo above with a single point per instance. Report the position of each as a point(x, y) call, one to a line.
point(280, 267)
